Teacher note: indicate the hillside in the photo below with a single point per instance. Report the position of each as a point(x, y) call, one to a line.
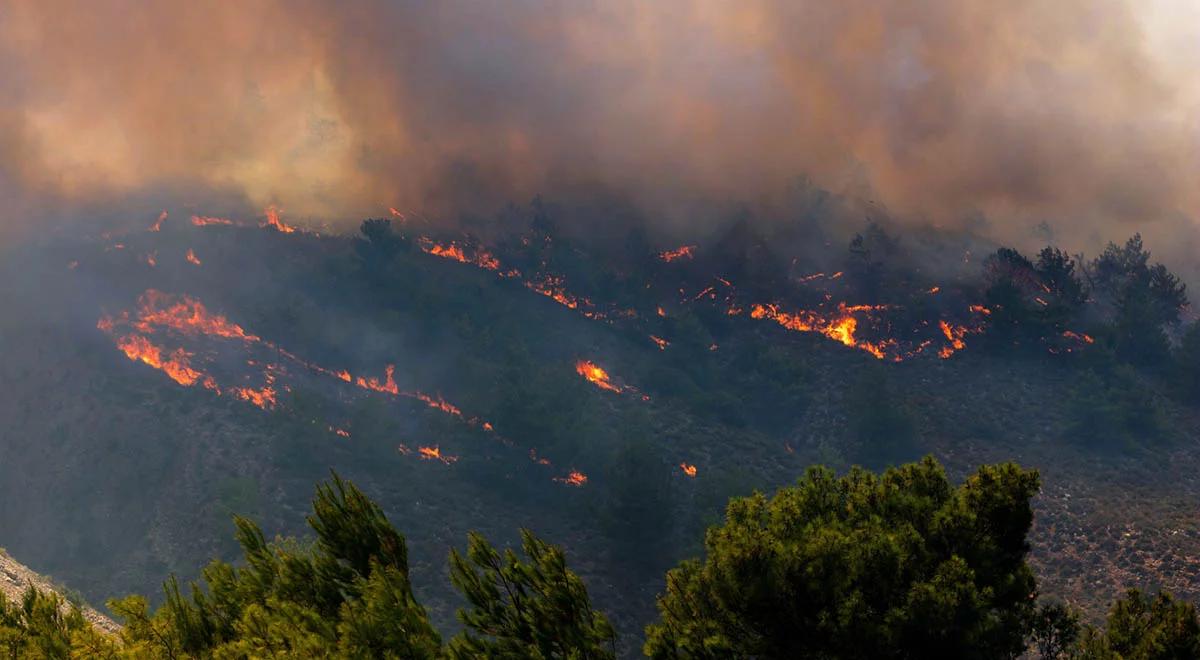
point(610, 395)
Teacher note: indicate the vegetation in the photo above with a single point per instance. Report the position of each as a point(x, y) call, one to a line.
point(899, 565)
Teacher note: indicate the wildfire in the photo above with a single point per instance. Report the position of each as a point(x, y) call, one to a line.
point(980, 309)
point(438, 402)
point(274, 222)
point(157, 226)
point(1079, 336)
point(263, 397)
point(339, 431)
point(192, 258)
point(954, 334)
point(934, 290)
point(660, 342)
point(186, 315)
point(206, 221)
point(688, 469)
point(682, 252)
point(434, 453)
point(596, 375)
point(840, 326)
point(573, 478)
point(481, 257)
point(174, 364)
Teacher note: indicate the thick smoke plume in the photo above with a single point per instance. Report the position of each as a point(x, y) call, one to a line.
point(1081, 112)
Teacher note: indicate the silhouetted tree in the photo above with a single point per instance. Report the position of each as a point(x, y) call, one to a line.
point(903, 565)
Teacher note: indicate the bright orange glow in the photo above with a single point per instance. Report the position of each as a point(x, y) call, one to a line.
point(954, 334)
point(980, 309)
point(839, 326)
point(688, 469)
point(434, 453)
point(192, 258)
point(660, 342)
point(660, 311)
point(275, 223)
point(157, 226)
point(1079, 336)
point(934, 290)
point(205, 221)
point(682, 252)
point(186, 315)
point(175, 364)
point(573, 478)
point(263, 397)
point(597, 376)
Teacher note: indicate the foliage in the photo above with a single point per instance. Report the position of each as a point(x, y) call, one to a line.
point(525, 609)
point(1143, 628)
point(42, 625)
point(1143, 300)
point(882, 426)
point(1111, 410)
point(1056, 631)
point(899, 565)
point(1186, 370)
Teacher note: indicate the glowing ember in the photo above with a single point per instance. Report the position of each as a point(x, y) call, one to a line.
point(660, 311)
point(339, 431)
point(597, 376)
point(954, 334)
point(158, 223)
point(682, 252)
point(479, 257)
point(660, 342)
point(434, 453)
point(388, 385)
point(205, 221)
point(263, 397)
point(275, 223)
point(192, 258)
point(1079, 336)
point(573, 478)
point(980, 309)
point(934, 290)
point(688, 469)
point(151, 259)
point(438, 402)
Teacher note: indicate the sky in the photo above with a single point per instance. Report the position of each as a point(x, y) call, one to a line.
point(1082, 113)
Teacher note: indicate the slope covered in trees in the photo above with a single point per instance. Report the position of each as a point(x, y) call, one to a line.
point(900, 565)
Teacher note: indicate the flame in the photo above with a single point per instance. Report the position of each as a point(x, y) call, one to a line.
point(660, 311)
point(263, 397)
point(151, 259)
point(274, 222)
point(481, 257)
point(205, 221)
point(339, 431)
point(660, 342)
point(438, 402)
point(157, 226)
point(980, 309)
point(682, 252)
point(954, 334)
point(534, 457)
point(1079, 336)
point(688, 469)
point(599, 377)
point(840, 327)
point(434, 453)
point(186, 315)
point(573, 478)
point(394, 212)
point(934, 290)
point(175, 364)
point(192, 258)
point(388, 385)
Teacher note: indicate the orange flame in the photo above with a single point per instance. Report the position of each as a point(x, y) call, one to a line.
point(263, 397)
point(1079, 336)
point(599, 377)
point(192, 258)
point(274, 222)
point(434, 453)
point(175, 364)
point(688, 469)
point(184, 314)
point(660, 342)
point(573, 478)
point(158, 223)
point(954, 334)
point(205, 221)
point(839, 327)
point(682, 252)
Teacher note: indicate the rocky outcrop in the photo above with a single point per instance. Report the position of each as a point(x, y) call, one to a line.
point(15, 579)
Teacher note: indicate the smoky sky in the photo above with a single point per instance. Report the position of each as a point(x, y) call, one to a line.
point(1084, 112)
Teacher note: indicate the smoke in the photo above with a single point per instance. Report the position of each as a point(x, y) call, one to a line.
point(1080, 112)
